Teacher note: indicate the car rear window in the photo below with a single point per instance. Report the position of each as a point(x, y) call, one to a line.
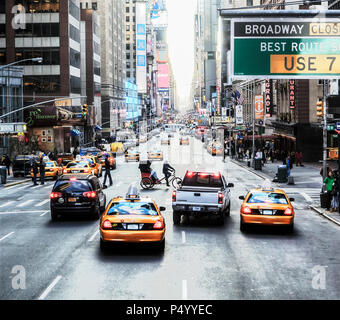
point(72, 186)
point(49, 164)
point(77, 164)
point(203, 180)
point(268, 197)
point(133, 208)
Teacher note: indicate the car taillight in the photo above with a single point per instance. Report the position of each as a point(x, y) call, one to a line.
point(90, 194)
point(288, 212)
point(55, 195)
point(107, 224)
point(158, 225)
point(64, 171)
point(86, 170)
point(246, 210)
point(220, 197)
point(190, 174)
point(174, 196)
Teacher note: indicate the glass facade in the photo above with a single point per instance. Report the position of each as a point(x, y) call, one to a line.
point(74, 58)
point(39, 6)
point(39, 30)
point(42, 84)
point(51, 56)
point(75, 86)
point(133, 103)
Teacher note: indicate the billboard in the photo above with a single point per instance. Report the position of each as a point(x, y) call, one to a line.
point(141, 47)
point(259, 111)
point(293, 48)
point(158, 14)
point(163, 75)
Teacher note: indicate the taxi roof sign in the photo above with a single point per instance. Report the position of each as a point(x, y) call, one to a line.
point(267, 186)
point(132, 193)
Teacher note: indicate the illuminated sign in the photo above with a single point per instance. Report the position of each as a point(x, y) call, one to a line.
point(291, 94)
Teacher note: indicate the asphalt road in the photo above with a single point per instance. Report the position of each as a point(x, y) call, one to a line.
point(62, 260)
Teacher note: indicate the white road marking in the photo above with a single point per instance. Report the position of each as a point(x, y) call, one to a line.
point(42, 203)
point(11, 212)
point(49, 288)
point(184, 290)
point(7, 235)
point(183, 237)
point(24, 203)
point(6, 204)
point(48, 186)
point(44, 213)
point(93, 236)
point(36, 186)
point(306, 196)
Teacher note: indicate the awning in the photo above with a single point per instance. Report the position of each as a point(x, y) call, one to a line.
point(284, 136)
point(98, 128)
point(75, 133)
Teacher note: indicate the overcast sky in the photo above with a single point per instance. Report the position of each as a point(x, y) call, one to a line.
point(181, 45)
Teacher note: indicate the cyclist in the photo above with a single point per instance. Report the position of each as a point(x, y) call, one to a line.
point(167, 171)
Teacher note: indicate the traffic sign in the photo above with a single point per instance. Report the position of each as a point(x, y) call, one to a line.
point(337, 125)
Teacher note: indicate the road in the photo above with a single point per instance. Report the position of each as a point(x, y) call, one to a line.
point(62, 259)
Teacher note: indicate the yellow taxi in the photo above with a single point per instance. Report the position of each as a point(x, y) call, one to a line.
point(78, 167)
point(132, 219)
point(112, 160)
point(132, 155)
point(183, 140)
point(215, 148)
point(142, 139)
point(155, 155)
point(117, 147)
point(94, 164)
point(52, 170)
point(266, 206)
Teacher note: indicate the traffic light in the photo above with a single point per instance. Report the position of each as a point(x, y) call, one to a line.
point(85, 109)
point(319, 109)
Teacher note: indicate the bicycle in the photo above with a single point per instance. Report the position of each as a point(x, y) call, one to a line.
point(148, 183)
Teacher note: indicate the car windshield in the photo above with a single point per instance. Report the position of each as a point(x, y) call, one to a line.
point(72, 186)
point(77, 164)
point(49, 164)
point(266, 197)
point(203, 180)
point(133, 208)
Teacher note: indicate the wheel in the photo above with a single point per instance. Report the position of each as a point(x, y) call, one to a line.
point(220, 219)
point(290, 228)
point(227, 211)
point(103, 245)
point(176, 216)
point(54, 216)
point(161, 245)
point(243, 226)
point(97, 214)
point(177, 182)
point(146, 183)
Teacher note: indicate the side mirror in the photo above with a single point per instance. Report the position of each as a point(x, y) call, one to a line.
point(241, 197)
point(230, 185)
point(162, 208)
point(291, 199)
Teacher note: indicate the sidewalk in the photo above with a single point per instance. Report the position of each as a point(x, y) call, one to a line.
point(307, 176)
point(11, 181)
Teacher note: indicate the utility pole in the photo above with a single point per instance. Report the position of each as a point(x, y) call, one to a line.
point(324, 129)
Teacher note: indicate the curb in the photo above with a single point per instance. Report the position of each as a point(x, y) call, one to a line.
point(246, 167)
point(16, 183)
point(324, 215)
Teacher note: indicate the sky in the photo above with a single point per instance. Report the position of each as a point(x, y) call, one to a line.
point(181, 46)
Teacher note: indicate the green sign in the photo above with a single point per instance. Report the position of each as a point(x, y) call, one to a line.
point(286, 49)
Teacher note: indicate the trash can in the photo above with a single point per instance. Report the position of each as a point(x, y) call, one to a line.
point(3, 175)
point(282, 174)
point(258, 164)
point(323, 199)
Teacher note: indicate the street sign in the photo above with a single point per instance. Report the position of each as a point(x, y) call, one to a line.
point(293, 48)
point(337, 125)
point(259, 112)
point(239, 114)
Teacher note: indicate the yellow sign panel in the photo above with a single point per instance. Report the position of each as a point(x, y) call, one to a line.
point(63, 103)
point(304, 63)
point(324, 29)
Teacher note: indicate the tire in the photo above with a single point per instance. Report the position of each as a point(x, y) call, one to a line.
point(177, 182)
point(176, 217)
point(220, 219)
point(161, 246)
point(103, 245)
point(227, 211)
point(54, 216)
point(97, 214)
point(290, 228)
point(146, 183)
point(243, 226)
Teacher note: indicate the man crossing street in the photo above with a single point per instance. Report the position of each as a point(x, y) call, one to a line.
point(107, 171)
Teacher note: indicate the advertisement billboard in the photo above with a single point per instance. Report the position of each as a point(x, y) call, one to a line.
point(259, 111)
point(158, 15)
point(163, 75)
point(141, 47)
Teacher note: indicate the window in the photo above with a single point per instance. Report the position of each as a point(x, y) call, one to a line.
point(127, 37)
point(128, 74)
point(94, 6)
point(2, 56)
point(50, 56)
point(249, 3)
point(42, 84)
point(127, 46)
point(74, 58)
point(75, 85)
point(72, 186)
point(39, 30)
point(96, 68)
point(128, 56)
point(2, 29)
point(127, 9)
point(133, 208)
point(127, 27)
point(2, 7)
point(74, 10)
point(74, 33)
point(265, 197)
point(127, 19)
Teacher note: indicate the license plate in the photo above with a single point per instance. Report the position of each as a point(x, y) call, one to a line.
point(196, 208)
point(75, 171)
point(132, 226)
point(268, 212)
point(72, 199)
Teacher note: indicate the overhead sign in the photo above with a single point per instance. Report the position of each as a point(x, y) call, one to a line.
point(141, 47)
point(268, 97)
point(292, 49)
point(259, 112)
point(292, 94)
point(239, 114)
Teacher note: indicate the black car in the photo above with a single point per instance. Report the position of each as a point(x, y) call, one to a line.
point(22, 165)
point(77, 193)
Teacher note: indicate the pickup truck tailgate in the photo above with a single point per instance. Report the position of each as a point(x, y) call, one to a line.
point(197, 196)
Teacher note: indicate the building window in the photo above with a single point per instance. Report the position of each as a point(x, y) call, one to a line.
point(74, 33)
point(96, 66)
point(128, 74)
point(128, 46)
point(74, 58)
point(2, 56)
point(51, 56)
point(74, 10)
point(249, 3)
point(2, 7)
point(75, 85)
point(42, 84)
point(94, 6)
point(39, 6)
point(39, 30)
point(127, 18)
point(127, 27)
point(127, 9)
point(2, 29)
point(128, 56)
point(127, 37)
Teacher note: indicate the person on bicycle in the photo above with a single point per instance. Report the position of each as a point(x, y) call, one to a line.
point(167, 171)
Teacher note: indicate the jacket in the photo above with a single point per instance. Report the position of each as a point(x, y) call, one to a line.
point(167, 169)
point(107, 164)
point(329, 183)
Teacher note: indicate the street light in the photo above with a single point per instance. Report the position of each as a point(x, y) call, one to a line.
point(39, 60)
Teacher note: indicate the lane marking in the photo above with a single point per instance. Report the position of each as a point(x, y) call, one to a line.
point(93, 236)
point(42, 203)
point(7, 235)
point(11, 212)
point(49, 288)
point(44, 213)
point(6, 204)
point(183, 237)
point(306, 196)
point(24, 203)
point(36, 187)
point(184, 290)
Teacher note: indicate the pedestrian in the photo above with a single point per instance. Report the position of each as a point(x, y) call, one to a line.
point(35, 171)
point(107, 171)
point(7, 162)
point(75, 152)
point(42, 170)
point(335, 193)
point(329, 180)
point(299, 158)
point(167, 171)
